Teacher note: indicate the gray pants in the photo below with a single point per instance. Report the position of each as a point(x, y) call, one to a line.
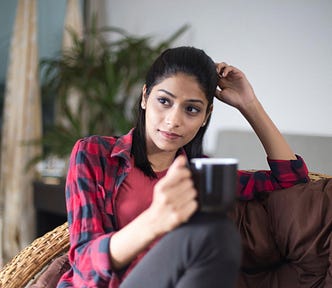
point(203, 253)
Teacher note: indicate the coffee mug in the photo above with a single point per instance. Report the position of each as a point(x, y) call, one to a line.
point(215, 180)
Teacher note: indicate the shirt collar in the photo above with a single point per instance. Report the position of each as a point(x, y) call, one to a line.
point(122, 147)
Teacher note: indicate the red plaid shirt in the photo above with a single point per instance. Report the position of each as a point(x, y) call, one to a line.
point(98, 165)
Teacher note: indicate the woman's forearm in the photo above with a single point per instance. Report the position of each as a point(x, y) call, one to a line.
point(235, 90)
point(128, 242)
point(274, 143)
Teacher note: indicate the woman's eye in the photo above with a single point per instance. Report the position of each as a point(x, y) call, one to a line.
point(193, 110)
point(163, 101)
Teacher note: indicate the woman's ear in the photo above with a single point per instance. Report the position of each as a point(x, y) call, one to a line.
point(208, 114)
point(144, 97)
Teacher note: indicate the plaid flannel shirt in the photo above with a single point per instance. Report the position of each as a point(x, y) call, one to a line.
point(98, 165)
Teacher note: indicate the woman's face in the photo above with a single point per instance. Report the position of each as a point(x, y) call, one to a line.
point(174, 111)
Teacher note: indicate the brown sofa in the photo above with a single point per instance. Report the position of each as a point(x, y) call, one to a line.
point(287, 241)
point(287, 237)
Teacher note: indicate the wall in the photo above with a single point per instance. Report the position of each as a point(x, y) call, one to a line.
point(284, 47)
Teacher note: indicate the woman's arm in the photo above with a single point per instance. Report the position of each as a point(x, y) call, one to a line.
point(237, 92)
point(173, 203)
point(286, 169)
point(89, 229)
point(283, 174)
point(132, 239)
point(273, 142)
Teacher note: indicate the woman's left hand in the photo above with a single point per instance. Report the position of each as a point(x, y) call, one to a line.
point(235, 89)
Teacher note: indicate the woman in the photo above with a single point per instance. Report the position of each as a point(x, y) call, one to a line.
point(132, 208)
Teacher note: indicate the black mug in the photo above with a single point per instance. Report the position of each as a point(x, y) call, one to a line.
point(215, 180)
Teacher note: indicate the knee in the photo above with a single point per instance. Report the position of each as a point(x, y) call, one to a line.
point(222, 237)
point(213, 235)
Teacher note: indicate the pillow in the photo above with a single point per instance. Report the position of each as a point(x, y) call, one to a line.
point(301, 224)
point(260, 252)
point(51, 276)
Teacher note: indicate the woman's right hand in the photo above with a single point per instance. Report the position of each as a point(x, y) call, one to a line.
point(174, 198)
point(173, 203)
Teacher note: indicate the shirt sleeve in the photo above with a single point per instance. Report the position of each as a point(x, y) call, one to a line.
point(90, 228)
point(283, 174)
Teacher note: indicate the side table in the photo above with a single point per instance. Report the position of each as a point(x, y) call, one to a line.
point(50, 206)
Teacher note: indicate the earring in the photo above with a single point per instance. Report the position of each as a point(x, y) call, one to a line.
point(203, 124)
point(143, 105)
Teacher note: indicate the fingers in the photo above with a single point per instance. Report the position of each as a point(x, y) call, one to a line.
point(223, 69)
point(179, 164)
point(180, 161)
point(186, 211)
point(179, 179)
point(174, 195)
point(177, 183)
point(177, 174)
point(218, 94)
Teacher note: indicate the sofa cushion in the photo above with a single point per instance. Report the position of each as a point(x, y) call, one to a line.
point(301, 221)
point(287, 239)
point(259, 248)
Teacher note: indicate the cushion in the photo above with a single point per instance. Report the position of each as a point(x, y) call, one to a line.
point(301, 221)
point(51, 276)
point(259, 248)
point(287, 238)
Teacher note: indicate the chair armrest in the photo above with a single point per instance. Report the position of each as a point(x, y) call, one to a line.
point(32, 259)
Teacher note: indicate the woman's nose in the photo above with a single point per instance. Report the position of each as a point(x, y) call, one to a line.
point(173, 118)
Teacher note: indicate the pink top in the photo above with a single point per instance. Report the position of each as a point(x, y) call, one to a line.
point(135, 196)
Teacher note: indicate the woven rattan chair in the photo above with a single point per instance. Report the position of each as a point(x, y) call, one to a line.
point(31, 261)
point(28, 264)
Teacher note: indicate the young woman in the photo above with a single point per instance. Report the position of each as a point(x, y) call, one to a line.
point(132, 208)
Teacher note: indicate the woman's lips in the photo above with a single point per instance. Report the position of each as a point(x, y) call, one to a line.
point(169, 135)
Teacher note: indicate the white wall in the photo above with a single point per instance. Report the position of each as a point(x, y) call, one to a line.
point(284, 47)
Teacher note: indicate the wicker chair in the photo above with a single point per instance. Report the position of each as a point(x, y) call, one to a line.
point(31, 261)
point(27, 266)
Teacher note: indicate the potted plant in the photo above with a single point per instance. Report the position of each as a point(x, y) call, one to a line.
point(103, 78)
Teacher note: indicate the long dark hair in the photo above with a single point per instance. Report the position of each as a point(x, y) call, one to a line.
point(190, 61)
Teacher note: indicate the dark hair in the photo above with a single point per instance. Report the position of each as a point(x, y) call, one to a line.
point(190, 61)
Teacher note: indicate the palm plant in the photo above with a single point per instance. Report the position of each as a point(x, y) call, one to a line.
point(104, 76)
